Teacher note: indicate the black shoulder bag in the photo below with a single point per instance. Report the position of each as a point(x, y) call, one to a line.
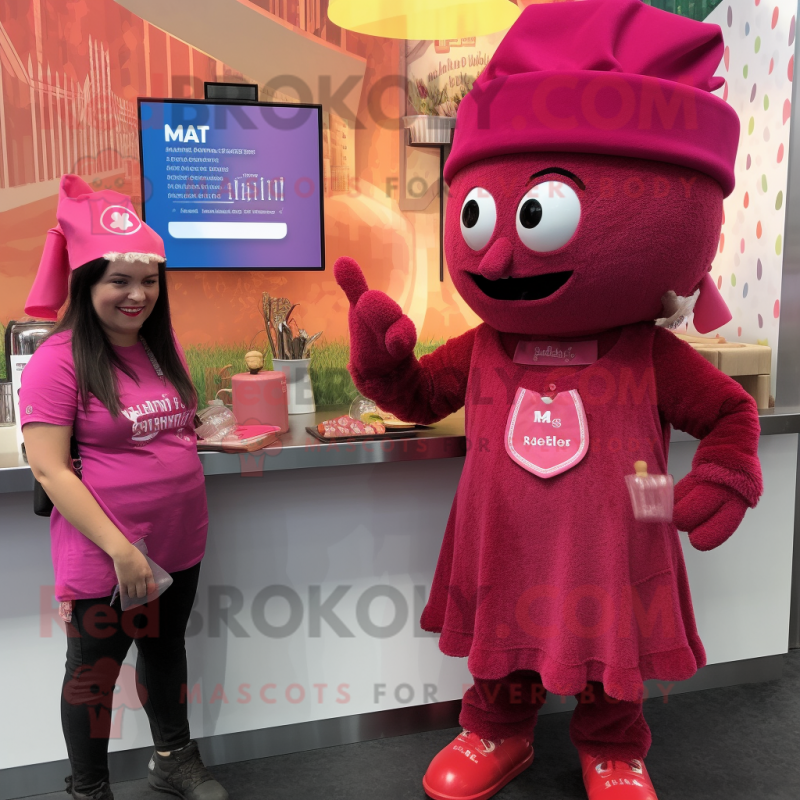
point(42, 504)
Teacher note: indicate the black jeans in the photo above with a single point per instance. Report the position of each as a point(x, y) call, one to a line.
point(98, 639)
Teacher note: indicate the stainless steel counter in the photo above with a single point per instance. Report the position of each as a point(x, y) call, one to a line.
point(297, 449)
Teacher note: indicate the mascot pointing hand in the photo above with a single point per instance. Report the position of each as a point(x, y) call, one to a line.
point(587, 175)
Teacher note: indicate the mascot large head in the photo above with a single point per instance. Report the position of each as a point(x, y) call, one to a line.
point(588, 169)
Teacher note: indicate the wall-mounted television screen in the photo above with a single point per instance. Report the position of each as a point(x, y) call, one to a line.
point(232, 185)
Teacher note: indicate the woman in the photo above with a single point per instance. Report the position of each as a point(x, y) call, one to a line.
point(113, 375)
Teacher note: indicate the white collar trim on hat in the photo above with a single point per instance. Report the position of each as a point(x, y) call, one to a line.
point(148, 258)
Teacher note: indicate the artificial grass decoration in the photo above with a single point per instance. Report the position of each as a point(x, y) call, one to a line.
point(332, 383)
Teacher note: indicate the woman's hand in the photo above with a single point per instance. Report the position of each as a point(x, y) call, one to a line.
point(134, 573)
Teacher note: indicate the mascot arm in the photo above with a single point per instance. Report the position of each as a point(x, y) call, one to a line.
point(382, 361)
point(427, 390)
point(725, 479)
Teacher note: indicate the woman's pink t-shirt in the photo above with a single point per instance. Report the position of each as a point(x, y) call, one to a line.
point(142, 466)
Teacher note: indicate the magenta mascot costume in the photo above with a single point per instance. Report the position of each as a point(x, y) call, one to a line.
point(586, 178)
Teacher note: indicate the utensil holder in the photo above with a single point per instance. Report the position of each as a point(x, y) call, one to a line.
point(298, 383)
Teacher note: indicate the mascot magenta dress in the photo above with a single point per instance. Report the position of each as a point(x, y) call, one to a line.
point(586, 178)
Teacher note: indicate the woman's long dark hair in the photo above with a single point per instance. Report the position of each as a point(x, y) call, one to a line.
point(92, 353)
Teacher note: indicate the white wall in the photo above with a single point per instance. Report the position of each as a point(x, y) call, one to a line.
point(359, 527)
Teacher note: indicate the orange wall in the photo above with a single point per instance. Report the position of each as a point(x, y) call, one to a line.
point(74, 38)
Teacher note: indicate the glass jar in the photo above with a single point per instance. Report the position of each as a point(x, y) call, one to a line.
point(361, 406)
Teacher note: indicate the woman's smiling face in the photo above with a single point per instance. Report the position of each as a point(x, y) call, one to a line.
point(124, 298)
point(571, 244)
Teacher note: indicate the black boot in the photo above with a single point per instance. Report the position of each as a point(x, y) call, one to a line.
point(103, 792)
point(183, 773)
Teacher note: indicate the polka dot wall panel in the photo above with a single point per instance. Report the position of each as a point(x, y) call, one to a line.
point(758, 67)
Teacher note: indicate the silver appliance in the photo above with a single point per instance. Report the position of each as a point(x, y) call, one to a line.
point(7, 413)
point(21, 341)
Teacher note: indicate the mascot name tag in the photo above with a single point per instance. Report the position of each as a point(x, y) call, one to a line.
point(557, 354)
point(547, 435)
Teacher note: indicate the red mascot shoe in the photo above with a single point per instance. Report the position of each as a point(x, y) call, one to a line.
point(471, 768)
point(616, 780)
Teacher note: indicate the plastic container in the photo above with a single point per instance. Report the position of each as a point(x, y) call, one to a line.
point(163, 580)
point(427, 129)
point(218, 421)
point(652, 496)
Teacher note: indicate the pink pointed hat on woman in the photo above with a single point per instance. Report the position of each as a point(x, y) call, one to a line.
point(91, 225)
point(610, 77)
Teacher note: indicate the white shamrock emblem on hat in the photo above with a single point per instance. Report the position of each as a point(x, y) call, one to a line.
point(121, 221)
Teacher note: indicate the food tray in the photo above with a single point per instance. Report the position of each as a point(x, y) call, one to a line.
point(404, 434)
point(247, 446)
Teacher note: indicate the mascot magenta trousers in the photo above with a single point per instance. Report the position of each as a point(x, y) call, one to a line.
point(600, 725)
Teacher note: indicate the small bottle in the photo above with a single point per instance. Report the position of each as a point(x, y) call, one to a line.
point(651, 495)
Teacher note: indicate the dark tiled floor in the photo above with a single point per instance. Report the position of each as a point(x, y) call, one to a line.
point(739, 743)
